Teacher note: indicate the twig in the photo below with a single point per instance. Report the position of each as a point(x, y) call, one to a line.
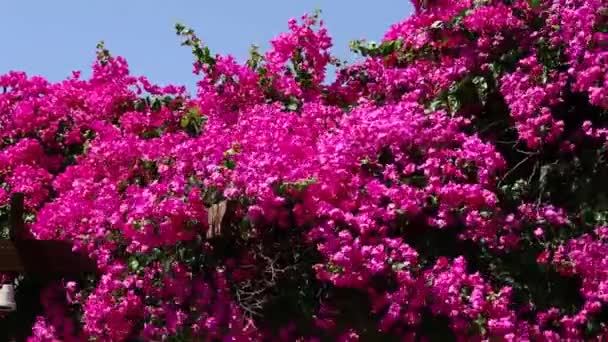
point(508, 173)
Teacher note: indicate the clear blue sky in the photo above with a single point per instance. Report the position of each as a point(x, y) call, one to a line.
point(52, 38)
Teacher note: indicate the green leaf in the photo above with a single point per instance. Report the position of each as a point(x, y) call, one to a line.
point(230, 164)
point(333, 268)
point(373, 49)
point(398, 266)
point(192, 121)
point(134, 264)
point(457, 20)
point(179, 28)
point(184, 122)
point(156, 105)
point(292, 106)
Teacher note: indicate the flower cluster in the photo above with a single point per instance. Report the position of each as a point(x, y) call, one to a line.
point(449, 186)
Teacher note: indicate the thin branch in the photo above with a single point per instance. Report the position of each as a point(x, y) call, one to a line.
point(491, 125)
point(508, 173)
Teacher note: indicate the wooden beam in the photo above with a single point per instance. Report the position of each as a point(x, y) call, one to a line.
point(38, 257)
point(16, 217)
point(10, 261)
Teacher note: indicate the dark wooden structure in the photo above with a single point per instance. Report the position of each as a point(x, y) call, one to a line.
point(38, 257)
point(40, 262)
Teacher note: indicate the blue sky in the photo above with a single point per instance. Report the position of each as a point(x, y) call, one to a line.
point(52, 38)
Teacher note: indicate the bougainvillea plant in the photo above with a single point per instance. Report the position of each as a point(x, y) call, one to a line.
point(452, 185)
